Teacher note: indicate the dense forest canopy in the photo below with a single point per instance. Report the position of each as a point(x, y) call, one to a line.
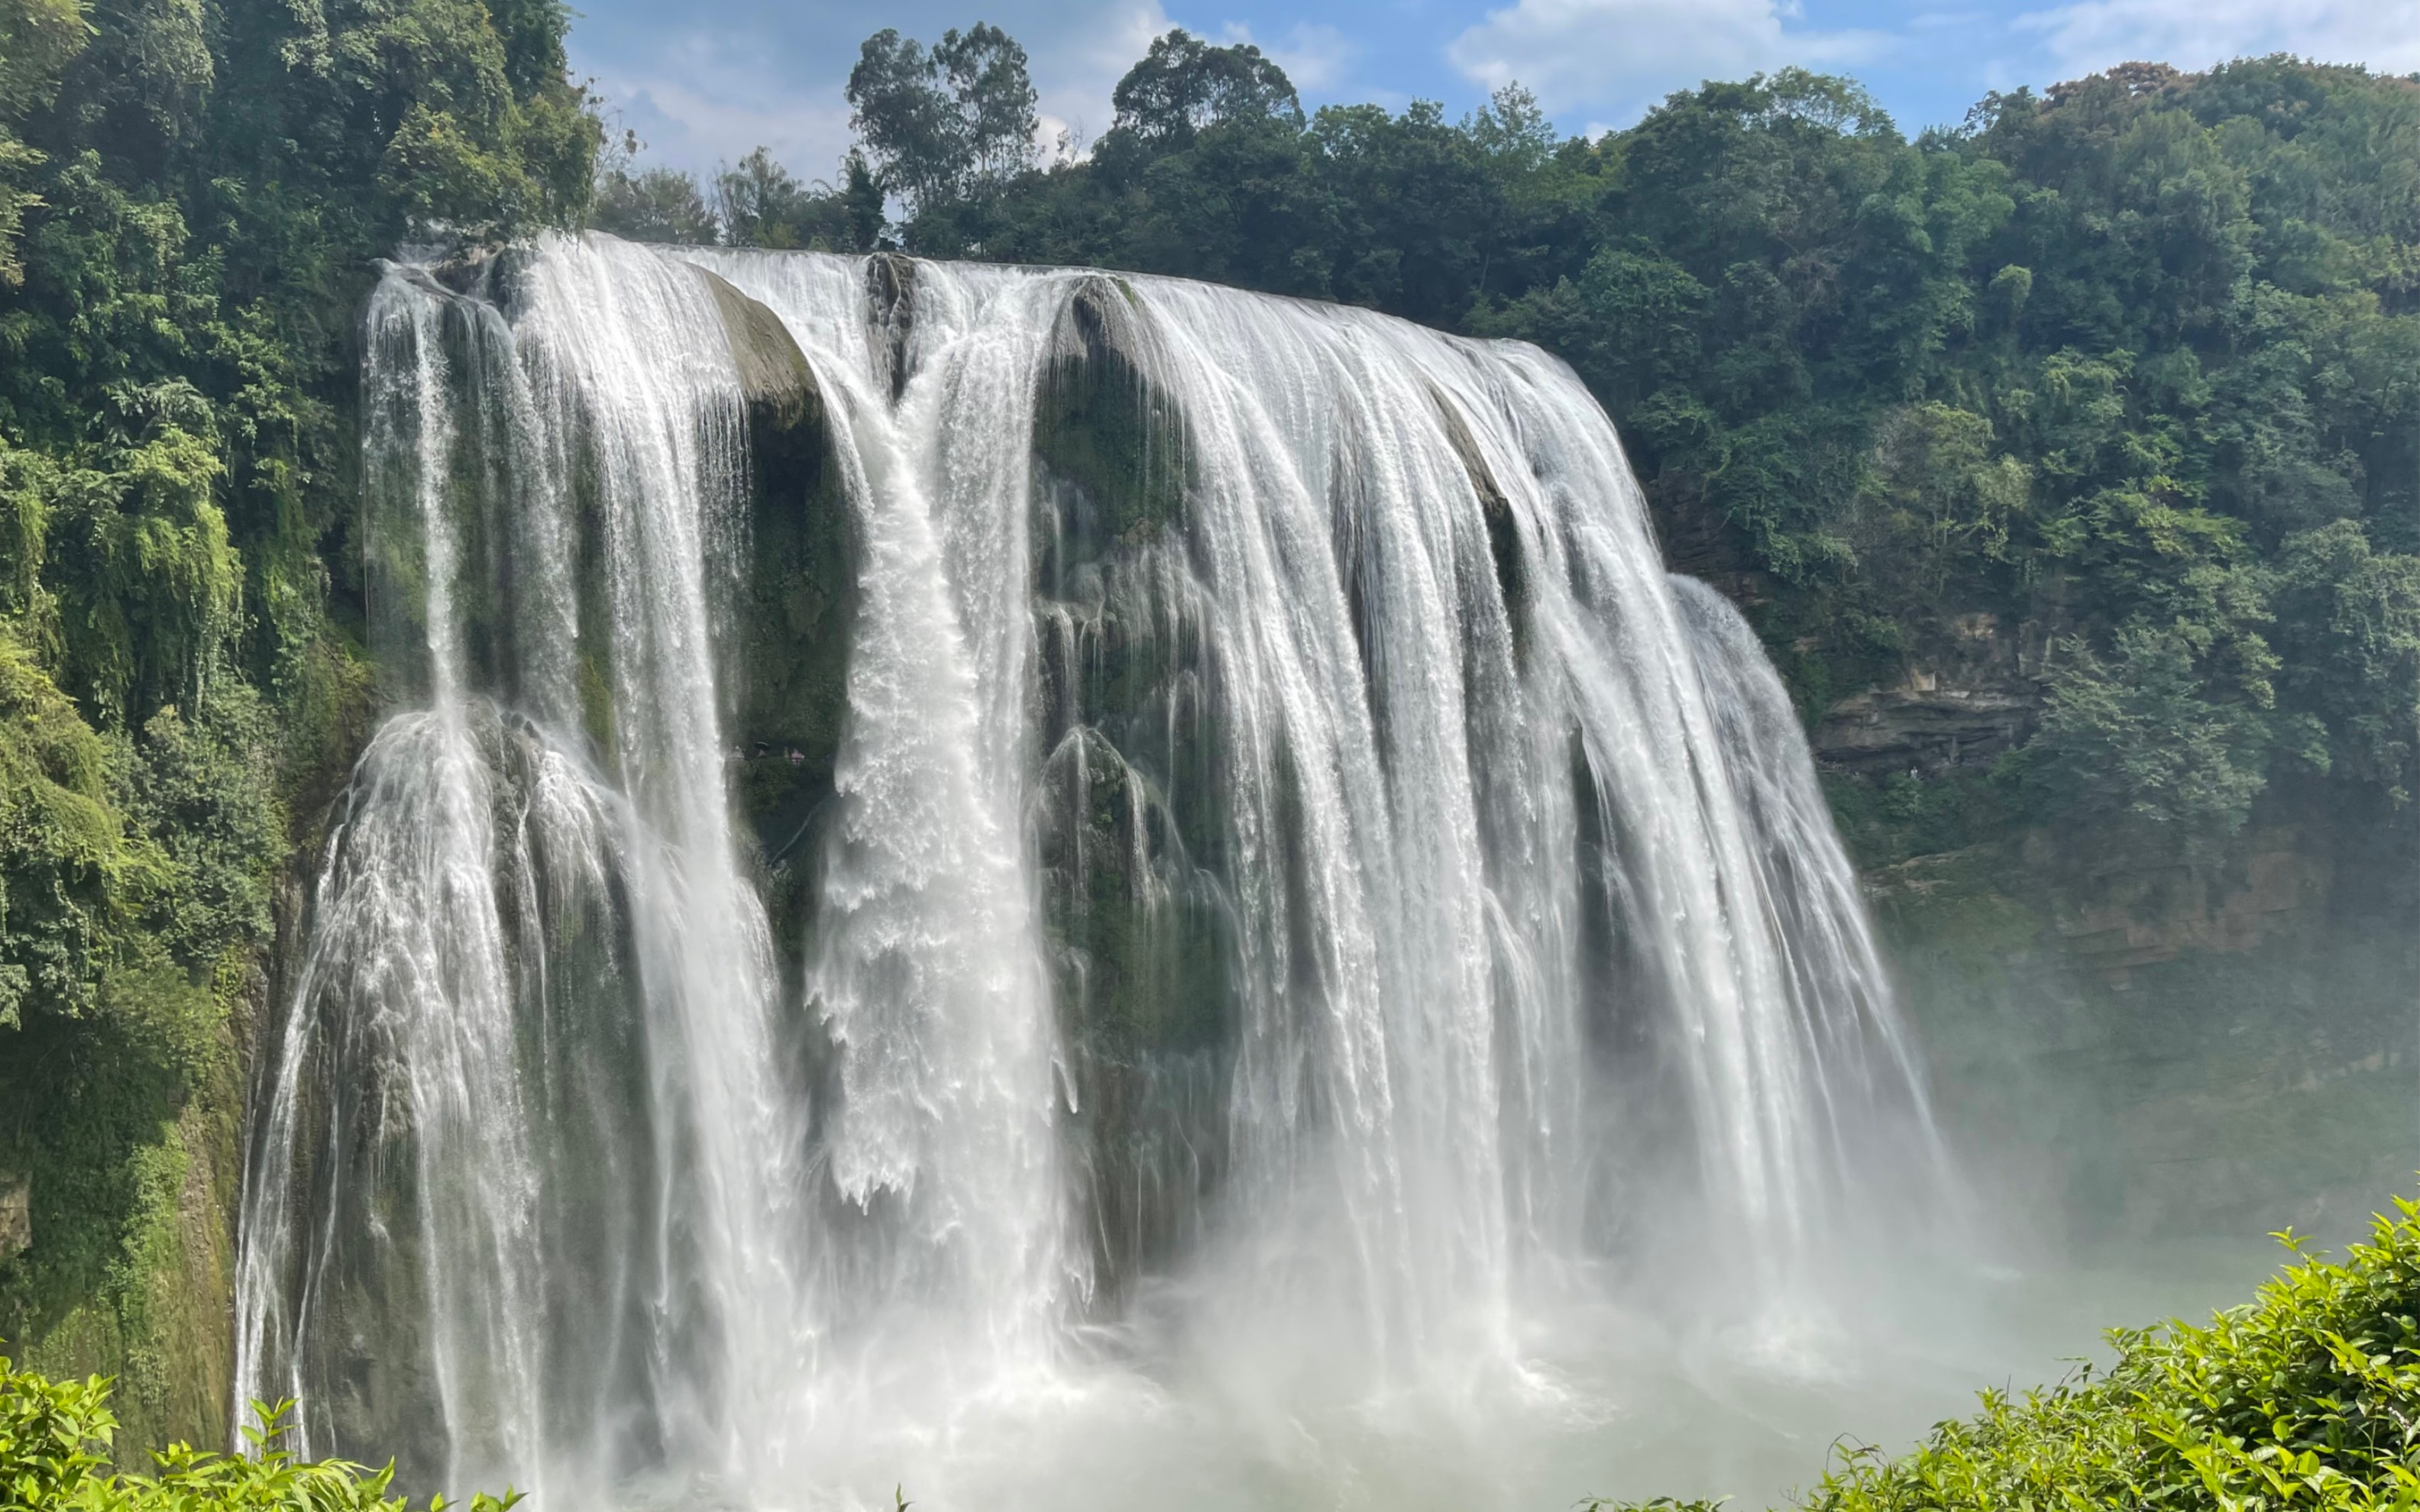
point(2123, 376)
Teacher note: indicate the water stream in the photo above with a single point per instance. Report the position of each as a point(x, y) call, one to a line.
point(1291, 964)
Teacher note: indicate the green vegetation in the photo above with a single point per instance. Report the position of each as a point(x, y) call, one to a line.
point(55, 1443)
point(190, 198)
point(2307, 1397)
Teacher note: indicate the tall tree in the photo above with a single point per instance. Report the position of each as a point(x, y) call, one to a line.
point(1183, 86)
point(657, 204)
point(941, 125)
point(994, 97)
point(761, 203)
point(37, 39)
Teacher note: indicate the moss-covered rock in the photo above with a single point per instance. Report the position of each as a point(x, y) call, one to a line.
point(158, 1321)
point(789, 634)
point(1106, 421)
point(1141, 952)
point(1130, 817)
point(1152, 977)
point(140, 869)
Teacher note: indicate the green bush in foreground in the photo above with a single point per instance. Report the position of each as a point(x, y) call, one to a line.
point(2310, 1397)
point(55, 1438)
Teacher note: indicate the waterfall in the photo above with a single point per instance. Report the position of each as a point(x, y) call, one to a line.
point(950, 835)
point(1868, 1117)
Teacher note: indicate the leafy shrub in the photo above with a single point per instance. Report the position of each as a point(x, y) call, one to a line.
point(2309, 1397)
point(2350, 623)
point(54, 1439)
point(60, 846)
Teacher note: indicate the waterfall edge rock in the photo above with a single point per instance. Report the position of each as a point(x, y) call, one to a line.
point(793, 627)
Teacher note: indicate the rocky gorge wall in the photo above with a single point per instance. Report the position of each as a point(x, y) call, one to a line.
point(133, 1201)
point(2143, 1046)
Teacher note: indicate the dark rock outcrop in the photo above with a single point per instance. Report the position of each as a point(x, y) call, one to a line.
point(1963, 706)
point(1105, 422)
point(791, 629)
point(1129, 826)
point(1496, 507)
point(1924, 726)
point(774, 379)
point(890, 298)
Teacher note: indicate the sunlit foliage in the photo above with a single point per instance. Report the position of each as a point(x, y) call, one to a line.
point(55, 1441)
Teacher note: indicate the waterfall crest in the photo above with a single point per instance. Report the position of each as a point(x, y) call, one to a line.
point(948, 830)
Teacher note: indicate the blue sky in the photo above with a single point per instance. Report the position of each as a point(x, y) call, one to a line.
point(703, 81)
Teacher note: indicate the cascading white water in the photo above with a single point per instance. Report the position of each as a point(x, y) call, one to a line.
point(526, 1134)
point(1299, 896)
point(925, 962)
point(1869, 1116)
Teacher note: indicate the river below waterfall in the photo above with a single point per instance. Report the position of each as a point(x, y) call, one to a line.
point(1616, 1404)
point(1061, 889)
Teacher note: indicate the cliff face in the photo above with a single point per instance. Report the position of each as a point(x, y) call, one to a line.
point(1926, 725)
point(1128, 800)
point(788, 651)
point(1965, 692)
point(2142, 1045)
point(120, 1221)
point(1972, 695)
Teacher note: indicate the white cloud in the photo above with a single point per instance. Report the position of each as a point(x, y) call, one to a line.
point(1075, 74)
point(771, 72)
point(1623, 54)
point(2095, 33)
point(1314, 55)
point(685, 123)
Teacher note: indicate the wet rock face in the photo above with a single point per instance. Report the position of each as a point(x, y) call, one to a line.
point(1129, 823)
point(1968, 707)
point(891, 301)
point(797, 597)
point(1924, 726)
point(469, 271)
point(1503, 538)
point(1105, 424)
